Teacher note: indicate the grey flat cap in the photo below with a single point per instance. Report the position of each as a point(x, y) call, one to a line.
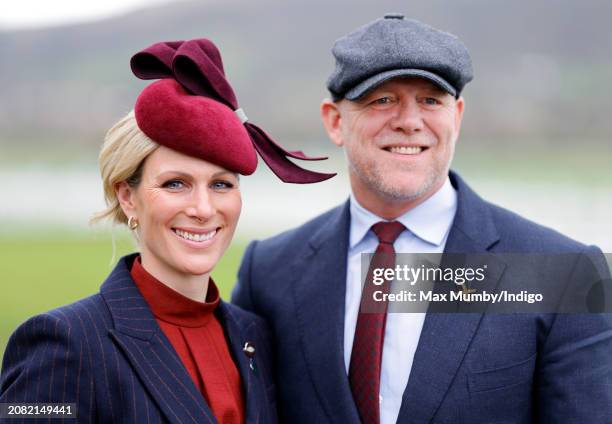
point(393, 47)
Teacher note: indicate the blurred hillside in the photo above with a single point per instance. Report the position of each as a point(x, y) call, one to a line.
point(541, 68)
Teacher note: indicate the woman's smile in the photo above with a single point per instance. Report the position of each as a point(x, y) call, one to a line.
point(197, 238)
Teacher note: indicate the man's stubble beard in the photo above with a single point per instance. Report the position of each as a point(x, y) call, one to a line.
point(373, 178)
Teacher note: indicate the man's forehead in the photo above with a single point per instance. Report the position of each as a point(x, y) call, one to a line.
point(411, 83)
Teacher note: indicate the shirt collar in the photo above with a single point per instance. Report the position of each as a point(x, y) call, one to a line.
point(430, 221)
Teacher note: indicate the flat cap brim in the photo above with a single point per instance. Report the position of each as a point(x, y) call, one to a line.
point(371, 83)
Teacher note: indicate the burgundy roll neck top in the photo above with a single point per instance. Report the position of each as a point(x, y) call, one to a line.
point(198, 338)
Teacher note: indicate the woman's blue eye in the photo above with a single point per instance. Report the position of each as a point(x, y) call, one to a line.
point(173, 184)
point(222, 185)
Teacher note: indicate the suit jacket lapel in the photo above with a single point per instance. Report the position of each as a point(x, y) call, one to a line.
point(236, 340)
point(149, 352)
point(319, 292)
point(446, 337)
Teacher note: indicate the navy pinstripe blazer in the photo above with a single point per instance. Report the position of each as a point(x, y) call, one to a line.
point(107, 354)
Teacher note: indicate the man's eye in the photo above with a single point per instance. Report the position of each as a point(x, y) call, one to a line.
point(431, 101)
point(173, 184)
point(382, 101)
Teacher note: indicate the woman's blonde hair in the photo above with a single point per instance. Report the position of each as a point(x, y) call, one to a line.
point(122, 158)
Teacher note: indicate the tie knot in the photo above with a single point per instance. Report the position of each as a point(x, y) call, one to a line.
point(387, 232)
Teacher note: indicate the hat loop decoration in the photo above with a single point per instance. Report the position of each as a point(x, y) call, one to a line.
point(197, 66)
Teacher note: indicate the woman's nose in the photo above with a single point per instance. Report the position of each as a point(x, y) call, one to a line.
point(201, 205)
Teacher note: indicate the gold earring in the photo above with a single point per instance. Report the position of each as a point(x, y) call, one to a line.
point(132, 223)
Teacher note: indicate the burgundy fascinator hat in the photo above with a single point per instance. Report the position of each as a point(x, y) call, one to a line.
point(193, 109)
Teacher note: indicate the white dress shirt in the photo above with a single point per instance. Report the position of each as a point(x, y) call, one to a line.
point(428, 225)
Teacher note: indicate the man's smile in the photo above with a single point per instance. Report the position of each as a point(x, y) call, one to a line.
point(405, 150)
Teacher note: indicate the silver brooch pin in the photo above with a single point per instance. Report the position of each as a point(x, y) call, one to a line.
point(249, 351)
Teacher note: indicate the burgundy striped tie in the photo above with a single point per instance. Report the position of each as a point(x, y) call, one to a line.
point(366, 357)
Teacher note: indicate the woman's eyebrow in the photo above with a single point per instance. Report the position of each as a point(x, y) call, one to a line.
point(219, 173)
point(189, 176)
point(175, 173)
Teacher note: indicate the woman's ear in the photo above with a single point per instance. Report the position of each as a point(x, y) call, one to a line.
point(126, 197)
point(330, 114)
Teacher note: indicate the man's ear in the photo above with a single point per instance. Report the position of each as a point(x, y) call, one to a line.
point(331, 117)
point(125, 195)
point(459, 107)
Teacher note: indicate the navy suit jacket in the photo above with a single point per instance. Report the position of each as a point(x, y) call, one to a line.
point(107, 354)
point(468, 368)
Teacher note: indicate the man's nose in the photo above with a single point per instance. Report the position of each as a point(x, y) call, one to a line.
point(407, 117)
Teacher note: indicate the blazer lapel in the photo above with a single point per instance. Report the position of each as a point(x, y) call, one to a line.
point(236, 340)
point(446, 337)
point(149, 352)
point(319, 292)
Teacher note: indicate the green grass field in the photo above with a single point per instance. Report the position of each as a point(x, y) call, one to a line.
point(44, 272)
